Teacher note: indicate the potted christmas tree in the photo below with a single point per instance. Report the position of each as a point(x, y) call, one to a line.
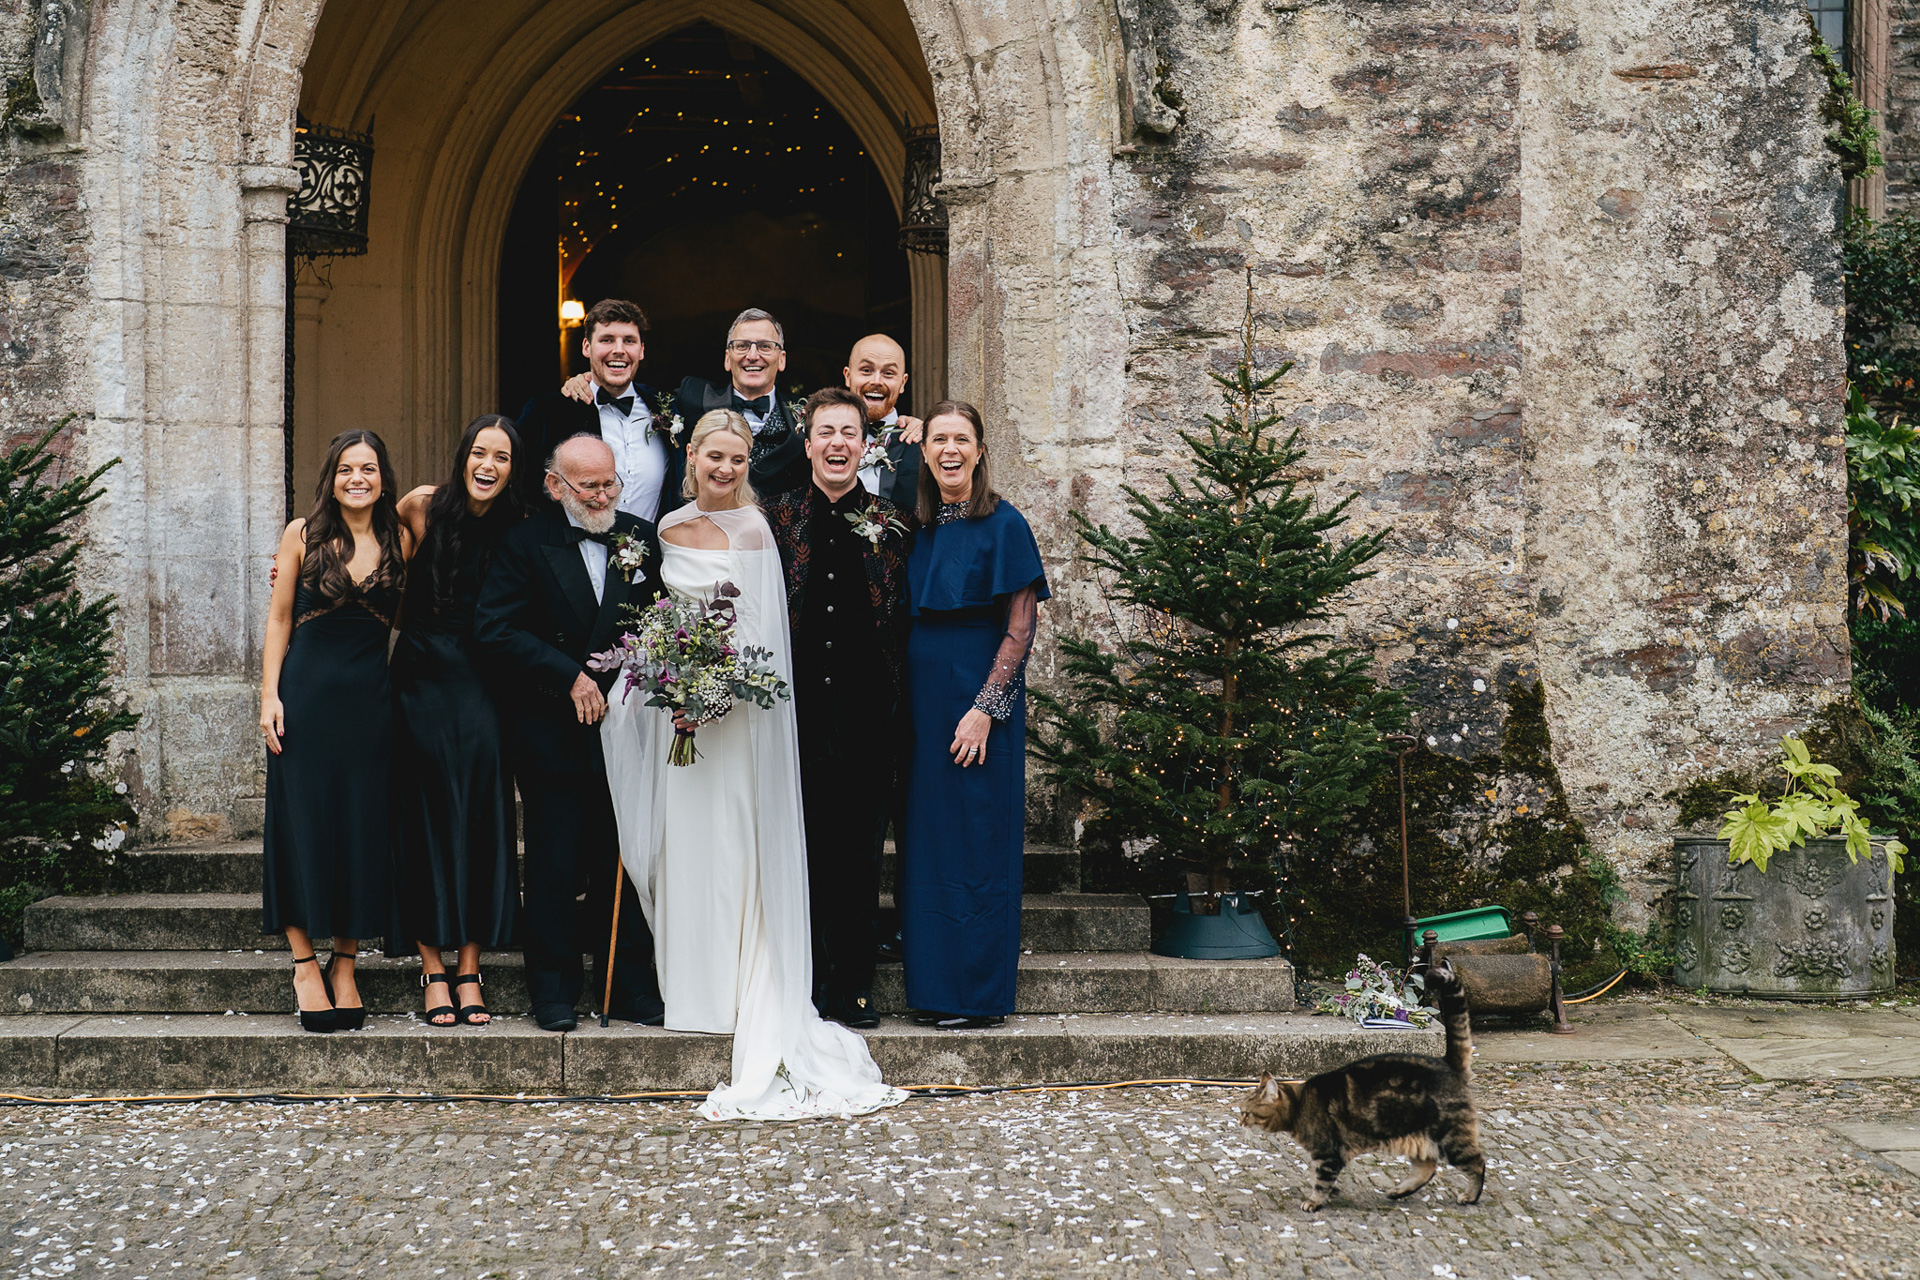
point(1219, 727)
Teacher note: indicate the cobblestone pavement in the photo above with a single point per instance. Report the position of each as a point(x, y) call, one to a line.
point(1626, 1169)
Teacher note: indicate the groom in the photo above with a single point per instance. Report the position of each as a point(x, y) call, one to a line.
point(554, 595)
point(844, 551)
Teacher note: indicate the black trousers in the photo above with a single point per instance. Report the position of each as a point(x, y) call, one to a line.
point(573, 846)
point(846, 806)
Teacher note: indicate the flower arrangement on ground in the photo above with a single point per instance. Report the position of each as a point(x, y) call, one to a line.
point(1377, 994)
point(681, 654)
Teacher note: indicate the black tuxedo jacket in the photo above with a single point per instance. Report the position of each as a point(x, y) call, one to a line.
point(901, 486)
point(783, 469)
point(536, 623)
point(551, 417)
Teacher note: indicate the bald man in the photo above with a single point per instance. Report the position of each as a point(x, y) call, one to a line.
point(877, 372)
point(552, 596)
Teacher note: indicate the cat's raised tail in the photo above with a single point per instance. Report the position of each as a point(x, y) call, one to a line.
point(1450, 998)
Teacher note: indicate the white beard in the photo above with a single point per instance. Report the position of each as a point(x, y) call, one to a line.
point(588, 519)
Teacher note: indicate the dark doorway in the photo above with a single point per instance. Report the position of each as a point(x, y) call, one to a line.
point(701, 177)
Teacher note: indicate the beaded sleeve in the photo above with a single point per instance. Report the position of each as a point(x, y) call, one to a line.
point(1007, 680)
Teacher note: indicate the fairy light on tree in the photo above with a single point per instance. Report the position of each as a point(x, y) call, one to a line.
point(1223, 726)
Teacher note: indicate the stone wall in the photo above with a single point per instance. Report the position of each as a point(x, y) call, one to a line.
point(1558, 277)
point(1901, 145)
point(1560, 286)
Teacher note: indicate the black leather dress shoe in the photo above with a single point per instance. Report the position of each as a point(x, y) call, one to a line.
point(855, 1010)
point(645, 1015)
point(555, 1017)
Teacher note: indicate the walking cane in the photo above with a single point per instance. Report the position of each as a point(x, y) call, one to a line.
point(613, 937)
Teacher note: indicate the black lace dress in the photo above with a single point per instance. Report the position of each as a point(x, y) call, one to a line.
point(329, 840)
point(457, 879)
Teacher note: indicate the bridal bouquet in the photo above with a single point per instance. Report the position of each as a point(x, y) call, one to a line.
point(683, 656)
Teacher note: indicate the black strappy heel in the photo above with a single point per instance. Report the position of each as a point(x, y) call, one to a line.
point(432, 1016)
point(347, 1019)
point(467, 1011)
point(316, 1020)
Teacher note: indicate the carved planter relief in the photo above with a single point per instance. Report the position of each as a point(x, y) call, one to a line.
point(1814, 927)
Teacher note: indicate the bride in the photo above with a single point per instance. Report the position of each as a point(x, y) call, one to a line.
point(717, 849)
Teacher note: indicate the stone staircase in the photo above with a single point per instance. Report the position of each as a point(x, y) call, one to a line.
point(167, 984)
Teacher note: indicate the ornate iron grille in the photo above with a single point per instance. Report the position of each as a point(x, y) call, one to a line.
point(923, 219)
point(328, 215)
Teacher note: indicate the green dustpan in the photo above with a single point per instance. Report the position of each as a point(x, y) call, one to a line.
point(1465, 926)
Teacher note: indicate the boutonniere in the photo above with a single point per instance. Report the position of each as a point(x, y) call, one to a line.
point(629, 554)
point(873, 526)
point(667, 419)
point(796, 412)
point(876, 454)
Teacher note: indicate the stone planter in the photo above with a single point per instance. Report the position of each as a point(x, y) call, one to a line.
point(1814, 927)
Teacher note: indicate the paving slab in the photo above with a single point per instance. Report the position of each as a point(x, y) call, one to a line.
point(1607, 1034)
point(1810, 1044)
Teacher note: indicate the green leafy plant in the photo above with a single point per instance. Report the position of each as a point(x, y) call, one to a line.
point(1810, 805)
point(1883, 486)
point(1853, 137)
point(58, 816)
point(1226, 726)
point(1880, 259)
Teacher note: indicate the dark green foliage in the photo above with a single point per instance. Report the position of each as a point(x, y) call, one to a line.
point(1852, 138)
point(1223, 727)
point(1881, 261)
point(1883, 500)
point(1522, 848)
point(57, 710)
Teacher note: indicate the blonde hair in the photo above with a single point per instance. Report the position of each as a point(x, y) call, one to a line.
point(712, 424)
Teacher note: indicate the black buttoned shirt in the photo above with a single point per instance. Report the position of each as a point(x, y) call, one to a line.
point(837, 661)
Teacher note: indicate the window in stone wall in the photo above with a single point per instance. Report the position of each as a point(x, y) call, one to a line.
point(1831, 15)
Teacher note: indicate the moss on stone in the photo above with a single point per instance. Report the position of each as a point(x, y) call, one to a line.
point(1489, 829)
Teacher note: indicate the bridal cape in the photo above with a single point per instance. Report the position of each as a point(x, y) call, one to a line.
point(717, 853)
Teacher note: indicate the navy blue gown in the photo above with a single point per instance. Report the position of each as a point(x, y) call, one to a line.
point(973, 586)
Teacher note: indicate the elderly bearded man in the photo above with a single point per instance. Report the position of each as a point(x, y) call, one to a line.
point(555, 594)
point(844, 551)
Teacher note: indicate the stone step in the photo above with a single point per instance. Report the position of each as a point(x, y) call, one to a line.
point(235, 868)
point(193, 1053)
point(231, 921)
point(258, 982)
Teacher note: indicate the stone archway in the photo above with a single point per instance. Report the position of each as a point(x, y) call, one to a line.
point(189, 112)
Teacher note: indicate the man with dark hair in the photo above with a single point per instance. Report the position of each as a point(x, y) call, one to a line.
point(844, 551)
point(756, 355)
point(646, 452)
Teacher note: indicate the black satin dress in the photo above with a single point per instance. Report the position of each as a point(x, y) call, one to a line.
point(329, 839)
point(457, 880)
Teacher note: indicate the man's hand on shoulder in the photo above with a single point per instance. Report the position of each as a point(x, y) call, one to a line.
point(578, 387)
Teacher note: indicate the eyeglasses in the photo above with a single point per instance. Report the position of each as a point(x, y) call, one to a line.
point(608, 487)
point(740, 346)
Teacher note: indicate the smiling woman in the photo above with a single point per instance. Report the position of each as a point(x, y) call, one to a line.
point(326, 710)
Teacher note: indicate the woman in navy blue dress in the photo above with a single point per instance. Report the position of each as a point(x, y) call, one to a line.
point(975, 582)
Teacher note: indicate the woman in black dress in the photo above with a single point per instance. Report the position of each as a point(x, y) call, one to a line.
point(453, 794)
point(326, 709)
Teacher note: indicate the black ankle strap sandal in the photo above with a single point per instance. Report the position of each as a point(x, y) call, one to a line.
point(348, 1019)
point(315, 1020)
point(438, 1017)
point(471, 1013)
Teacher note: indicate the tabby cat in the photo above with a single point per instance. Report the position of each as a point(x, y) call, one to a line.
point(1416, 1106)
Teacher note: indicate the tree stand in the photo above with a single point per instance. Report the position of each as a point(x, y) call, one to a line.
point(1237, 933)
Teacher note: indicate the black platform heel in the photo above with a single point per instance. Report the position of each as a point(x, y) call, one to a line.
point(321, 1020)
point(346, 1019)
point(467, 1011)
point(432, 1016)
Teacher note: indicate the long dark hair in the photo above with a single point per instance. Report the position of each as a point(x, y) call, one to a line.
point(329, 541)
point(450, 524)
point(984, 499)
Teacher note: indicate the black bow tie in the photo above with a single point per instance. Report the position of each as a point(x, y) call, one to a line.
point(757, 407)
point(588, 535)
point(623, 403)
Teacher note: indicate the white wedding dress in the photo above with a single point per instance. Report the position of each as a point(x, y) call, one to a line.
point(717, 852)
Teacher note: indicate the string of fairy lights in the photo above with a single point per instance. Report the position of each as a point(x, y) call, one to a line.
point(694, 117)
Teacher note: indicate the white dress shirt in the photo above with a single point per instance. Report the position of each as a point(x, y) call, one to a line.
point(870, 476)
point(594, 555)
point(639, 454)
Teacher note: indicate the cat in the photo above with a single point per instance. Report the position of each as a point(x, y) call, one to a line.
point(1410, 1104)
